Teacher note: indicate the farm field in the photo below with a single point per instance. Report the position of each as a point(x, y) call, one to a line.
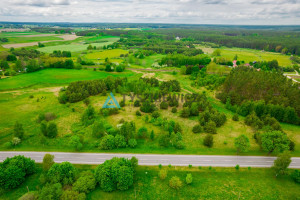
point(77, 47)
point(50, 77)
point(215, 183)
point(250, 55)
point(114, 53)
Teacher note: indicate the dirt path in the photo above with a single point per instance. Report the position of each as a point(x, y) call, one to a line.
point(55, 90)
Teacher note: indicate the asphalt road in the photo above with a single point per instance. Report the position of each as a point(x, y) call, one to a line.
point(156, 159)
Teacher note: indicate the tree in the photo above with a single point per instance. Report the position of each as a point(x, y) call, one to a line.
point(72, 195)
point(282, 163)
point(208, 140)
point(63, 173)
point(51, 192)
point(90, 47)
point(48, 161)
point(88, 116)
point(85, 183)
point(175, 183)
point(164, 105)
point(189, 179)
point(120, 141)
point(183, 70)
point(132, 143)
point(242, 143)
point(185, 113)
point(52, 130)
point(44, 128)
point(197, 129)
point(155, 114)
point(235, 117)
point(216, 52)
point(152, 135)
point(113, 174)
point(107, 142)
point(164, 140)
point(18, 130)
point(274, 141)
point(163, 174)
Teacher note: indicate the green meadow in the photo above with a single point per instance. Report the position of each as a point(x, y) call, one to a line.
point(51, 77)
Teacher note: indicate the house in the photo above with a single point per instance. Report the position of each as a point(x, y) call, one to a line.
point(234, 63)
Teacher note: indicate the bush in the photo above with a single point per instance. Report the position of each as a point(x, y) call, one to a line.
point(120, 141)
point(164, 140)
point(174, 110)
point(179, 144)
point(132, 143)
point(189, 179)
point(175, 183)
point(63, 173)
point(155, 114)
point(237, 167)
point(18, 130)
point(163, 174)
point(107, 142)
point(235, 117)
point(197, 129)
point(138, 113)
point(296, 176)
point(136, 103)
point(15, 141)
point(122, 103)
point(185, 113)
point(85, 183)
point(208, 140)
point(210, 127)
point(49, 116)
point(52, 130)
point(164, 105)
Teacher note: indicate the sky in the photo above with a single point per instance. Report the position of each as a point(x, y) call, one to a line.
point(247, 12)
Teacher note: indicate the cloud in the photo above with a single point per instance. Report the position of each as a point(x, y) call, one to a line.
point(155, 11)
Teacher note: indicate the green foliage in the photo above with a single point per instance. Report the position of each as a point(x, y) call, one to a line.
point(242, 143)
point(163, 174)
point(152, 135)
point(120, 141)
point(164, 140)
point(75, 142)
point(51, 130)
point(282, 163)
point(197, 129)
point(175, 183)
point(138, 113)
point(132, 143)
point(174, 110)
point(85, 183)
point(235, 117)
point(113, 174)
point(155, 114)
point(63, 173)
point(274, 141)
point(13, 171)
point(208, 140)
point(88, 116)
point(296, 176)
point(210, 127)
point(142, 133)
point(51, 192)
point(237, 167)
point(107, 142)
point(189, 179)
point(147, 107)
point(72, 195)
point(98, 129)
point(164, 105)
point(18, 130)
point(216, 52)
point(48, 161)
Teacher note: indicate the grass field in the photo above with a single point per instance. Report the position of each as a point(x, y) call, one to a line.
point(15, 34)
point(250, 55)
point(76, 47)
point(215, 183)
point(50, 77)
point(12, 40)
point(213, 68)
point(114, 53)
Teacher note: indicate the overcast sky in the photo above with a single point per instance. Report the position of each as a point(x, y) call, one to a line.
point(257, 12)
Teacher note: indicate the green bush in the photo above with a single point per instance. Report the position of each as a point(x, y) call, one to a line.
point(107, 142)
point(208, 140)
point(132, 143)
point(197, 129)
point(175, 183)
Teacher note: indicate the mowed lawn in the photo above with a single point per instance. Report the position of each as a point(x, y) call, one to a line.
point(76, 47)
point(48, 77)
point(215, 183)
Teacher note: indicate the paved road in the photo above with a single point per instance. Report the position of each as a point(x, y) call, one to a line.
point(156, 159)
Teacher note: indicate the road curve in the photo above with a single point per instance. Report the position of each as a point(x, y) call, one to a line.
point(155, 159)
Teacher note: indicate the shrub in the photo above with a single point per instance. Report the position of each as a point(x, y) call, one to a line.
point(174, 110)
point(164, 105)
point(138, 113)
point(296, 176)
point(208, 140)
point(142, 132)
point(136, 103)
point(189, 179)
point(15, 141)
point(64, 173)
point(85, 183)
point(107, 142)
point(179, 144)
point(132, 143)
point(185, 113)
point(235, 117)
point(237, 167)
point(152, 135)
point(52, 130)
point(18, 130)
point(175, 183)
point(163, 174)
point(164, 140)
point(120, 141)
point(197, 129)
point(49, 116)
point(122, 103)
point(210, 127)
point(155, 114)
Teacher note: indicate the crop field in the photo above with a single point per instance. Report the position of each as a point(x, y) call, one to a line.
point(114, 53)
point(250, 55)
point(214, 183)
point(77, 47)
point(12, 40)
point(50, 77)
